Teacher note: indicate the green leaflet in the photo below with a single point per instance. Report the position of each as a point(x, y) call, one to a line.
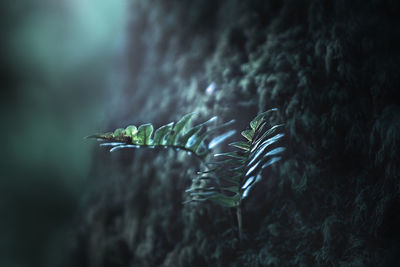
point(226, 201)
point(197, 144)
point(255, 123)
point(190, 134)
point(144, 134)
point(161, 133)
point(131, 131)
point(216, 197)
point(179, 136)
point(233, 154)
point(180, 125)
point(119, 133)
point(242, 145)
point(248, 134)
point(260, 118)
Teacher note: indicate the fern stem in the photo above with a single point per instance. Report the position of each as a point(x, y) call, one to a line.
point(182, 148)
point(177, 147)
point(239, 219)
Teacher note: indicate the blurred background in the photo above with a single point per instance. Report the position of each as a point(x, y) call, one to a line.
point(60, 62)
point(71, 68)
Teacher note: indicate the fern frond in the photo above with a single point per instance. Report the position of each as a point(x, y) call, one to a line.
point(180, 135)
point(232, 177)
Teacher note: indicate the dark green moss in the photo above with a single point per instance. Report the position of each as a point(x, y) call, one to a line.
point(331, 69)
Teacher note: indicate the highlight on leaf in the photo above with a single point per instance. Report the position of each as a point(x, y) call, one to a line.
point(199, 139)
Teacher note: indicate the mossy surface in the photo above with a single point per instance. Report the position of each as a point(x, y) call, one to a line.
point(332, 70)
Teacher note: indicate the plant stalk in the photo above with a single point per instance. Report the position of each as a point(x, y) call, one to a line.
point(239, 219)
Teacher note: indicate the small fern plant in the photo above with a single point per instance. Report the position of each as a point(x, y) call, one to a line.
point(181, 136)
point(230, 178)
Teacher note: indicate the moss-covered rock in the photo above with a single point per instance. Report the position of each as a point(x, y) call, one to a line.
point(330, 67)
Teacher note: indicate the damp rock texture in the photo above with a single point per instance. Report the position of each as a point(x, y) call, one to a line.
point(332, 70)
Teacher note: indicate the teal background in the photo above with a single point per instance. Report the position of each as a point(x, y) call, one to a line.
point(58, 65)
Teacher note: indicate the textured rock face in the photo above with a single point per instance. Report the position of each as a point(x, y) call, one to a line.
point(332, 70)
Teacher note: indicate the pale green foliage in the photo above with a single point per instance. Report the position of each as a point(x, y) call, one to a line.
point(180, 135)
